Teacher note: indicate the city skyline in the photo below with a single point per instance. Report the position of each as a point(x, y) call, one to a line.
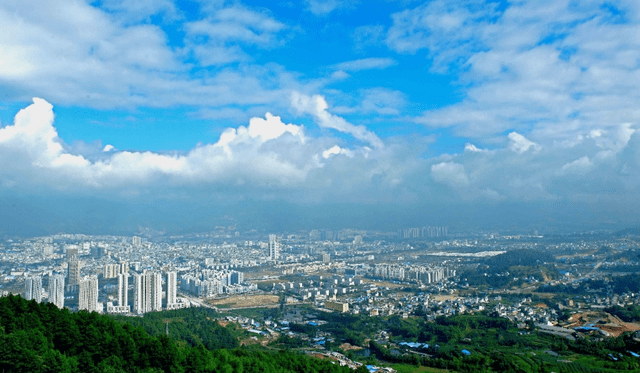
point(179, 117)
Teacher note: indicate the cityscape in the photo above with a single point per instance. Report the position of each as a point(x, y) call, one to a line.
point(319, 186)
point(570, 286)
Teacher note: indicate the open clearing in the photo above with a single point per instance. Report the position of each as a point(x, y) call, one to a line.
point(246, 301)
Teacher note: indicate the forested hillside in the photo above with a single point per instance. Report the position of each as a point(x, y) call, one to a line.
point(39, 337)
point(191, 325)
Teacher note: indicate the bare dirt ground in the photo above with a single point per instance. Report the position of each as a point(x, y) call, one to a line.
point(347, 347)
point(444, 297)
point(246, 301)
point(605, 321)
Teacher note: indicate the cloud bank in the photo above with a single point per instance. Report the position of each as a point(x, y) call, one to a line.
point(269, 156)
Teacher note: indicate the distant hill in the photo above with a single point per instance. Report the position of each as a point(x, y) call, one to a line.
point(634, 231)
point(524, 257)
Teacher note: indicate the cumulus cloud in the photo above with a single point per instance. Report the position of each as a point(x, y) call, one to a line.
point(580, 165)
point(270, 158)
point(450, 173)
point(335, 150)
point(317, 107)
point(521, 144)
point(472, 148)
point(33, 145)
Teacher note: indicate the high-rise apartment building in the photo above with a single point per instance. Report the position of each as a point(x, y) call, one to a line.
point(326, 258)
point(172, 288)
point(156, 291)
point(136, 241)
point(56, 290)
point(33, 288)
point(123, 289)
point(274, 247)
point(73, 277)
point(88, 296)
point(147, 292)
point(98, 252)
point(236, 278)
point(72, 252)
point(47, 250)
point(138, 293)
point(114, 269)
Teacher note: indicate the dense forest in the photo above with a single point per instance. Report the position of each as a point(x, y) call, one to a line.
point(190, 325)
point(39, 337)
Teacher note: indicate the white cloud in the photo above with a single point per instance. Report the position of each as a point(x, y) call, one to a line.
point(270, 128)
point(521, 144)
point(269, 157)
point(335, 150)
point(265, 154)
point(368, 35)
point(472, 148)
point(141, 10)
point(448, 30)
point(581, 165)
point(317, 107)
point(365, 64)
point(237, 24)
point(324, 7)
point(549, 71)
point(75, 53)
point(35, 148)
point(450, 173)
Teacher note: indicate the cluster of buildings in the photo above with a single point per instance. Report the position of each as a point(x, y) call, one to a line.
point(400, 272)
point(211, 282)
point(413, 273)
point(148, 289)
point(424, 232)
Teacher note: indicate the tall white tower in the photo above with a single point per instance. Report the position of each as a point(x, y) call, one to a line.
point(156, 291)
point(56, 290)
point(274, 247)
point(33, 288)
point(138, 293)
point(74, 271)
point(123, 289)
point(88, 297)
point(172, 287)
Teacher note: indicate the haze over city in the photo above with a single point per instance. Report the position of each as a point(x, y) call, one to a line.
point(180, 116)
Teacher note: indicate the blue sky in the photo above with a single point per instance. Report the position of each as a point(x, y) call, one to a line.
point(454, 111)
